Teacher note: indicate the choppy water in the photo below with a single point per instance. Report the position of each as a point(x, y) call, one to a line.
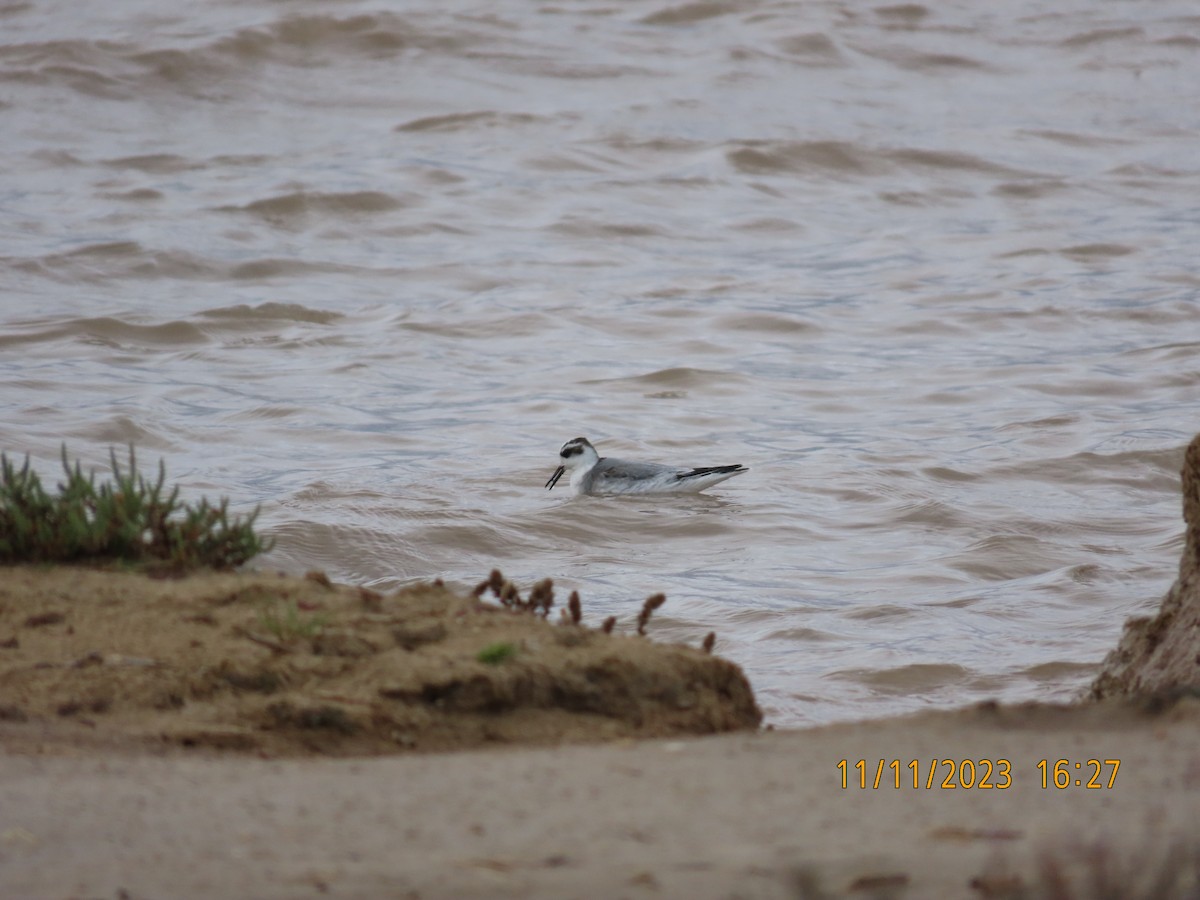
point(928, 270)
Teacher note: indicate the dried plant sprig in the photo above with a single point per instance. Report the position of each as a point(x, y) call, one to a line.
point(129, 519)
point(710, 641)
point(540, 600)
point(575, 607)
point(653, 602)
point(607, 627)
point(509, 595)
point(541, 596)
point(494, 582)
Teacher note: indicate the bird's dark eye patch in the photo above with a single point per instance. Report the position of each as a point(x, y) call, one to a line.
point(570, 451)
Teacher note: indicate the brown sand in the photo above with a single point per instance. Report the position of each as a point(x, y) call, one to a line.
point(172, 739)
point(284, 666)
point(744, 815)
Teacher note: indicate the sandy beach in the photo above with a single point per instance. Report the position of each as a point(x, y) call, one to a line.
point(742, 815)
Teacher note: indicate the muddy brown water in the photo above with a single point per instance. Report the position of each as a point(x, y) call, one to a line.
point(928, 270)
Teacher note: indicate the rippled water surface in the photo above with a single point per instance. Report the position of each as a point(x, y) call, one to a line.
point(928, 270)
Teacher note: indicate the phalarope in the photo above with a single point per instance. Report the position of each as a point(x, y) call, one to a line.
point(592, 473)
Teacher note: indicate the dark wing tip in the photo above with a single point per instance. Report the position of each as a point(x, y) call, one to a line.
point(711, 470)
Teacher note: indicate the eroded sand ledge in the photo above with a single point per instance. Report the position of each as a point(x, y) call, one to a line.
point(86, 811)
point(284, 666)
point(1160, 655)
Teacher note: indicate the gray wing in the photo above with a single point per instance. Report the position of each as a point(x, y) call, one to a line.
point(617, 470)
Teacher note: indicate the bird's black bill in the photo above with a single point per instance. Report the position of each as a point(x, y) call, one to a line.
point(554, 478)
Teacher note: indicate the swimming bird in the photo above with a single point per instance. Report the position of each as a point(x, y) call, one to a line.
point(592, 473)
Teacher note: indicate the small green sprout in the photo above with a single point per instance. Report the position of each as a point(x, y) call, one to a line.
point(285, 621)
point(495, 654)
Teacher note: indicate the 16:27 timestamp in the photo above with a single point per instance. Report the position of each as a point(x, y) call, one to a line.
point(1065, 773)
